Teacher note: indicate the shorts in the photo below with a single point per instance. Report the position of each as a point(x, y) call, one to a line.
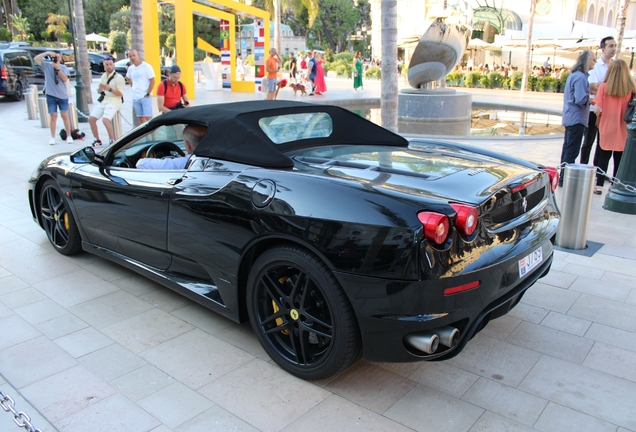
point(272, 83)
point(54, 102)
point(105, 110)
point(143, 107)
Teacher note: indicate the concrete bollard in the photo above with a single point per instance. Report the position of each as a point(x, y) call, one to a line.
point(117, 125)
point(578, 183)
point(31, 99)
point(72, 115)
point(43, 109)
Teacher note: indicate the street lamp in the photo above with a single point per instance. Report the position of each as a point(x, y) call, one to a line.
point(80, 97)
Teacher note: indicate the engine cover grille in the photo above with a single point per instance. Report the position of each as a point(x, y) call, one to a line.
point(518, 207)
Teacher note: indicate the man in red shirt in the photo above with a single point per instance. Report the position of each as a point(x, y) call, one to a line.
point(171, 93)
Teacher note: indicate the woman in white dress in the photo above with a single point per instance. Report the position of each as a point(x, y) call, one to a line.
point(240, 68)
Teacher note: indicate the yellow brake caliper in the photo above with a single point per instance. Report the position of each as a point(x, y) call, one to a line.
point(67, 224)
point(279, 321)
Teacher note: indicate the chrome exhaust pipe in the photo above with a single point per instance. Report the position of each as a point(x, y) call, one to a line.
point(448, 336)
point(425, 342)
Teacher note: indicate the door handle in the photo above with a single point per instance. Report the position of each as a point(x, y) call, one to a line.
point(175, 181)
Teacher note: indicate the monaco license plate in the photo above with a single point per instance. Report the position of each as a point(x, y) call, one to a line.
point(529, 262)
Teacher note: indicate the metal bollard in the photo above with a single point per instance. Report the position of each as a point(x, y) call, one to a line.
point(72, 115)
point(578, 182)
point(43, 108)
point(117, 125)
point(31, 99)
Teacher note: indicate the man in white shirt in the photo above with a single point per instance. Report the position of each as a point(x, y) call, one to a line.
point(596, 77)
point(192, 134)
point(111, 90)
point(141, 77)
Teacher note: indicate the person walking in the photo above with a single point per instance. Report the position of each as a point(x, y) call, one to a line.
point(111, 92)
point(311, 70)
point(597, 76)
point(272, 66)
point(141, 77)
point(610, 105)
point(240, 68)
point(321, 85)
point(55, 77)
point(357, 72)
point(576, 108)
point(293, 68)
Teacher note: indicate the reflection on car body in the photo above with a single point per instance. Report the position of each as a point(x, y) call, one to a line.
point(334, 237)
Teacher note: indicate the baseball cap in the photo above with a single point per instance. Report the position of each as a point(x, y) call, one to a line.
point(175, 69)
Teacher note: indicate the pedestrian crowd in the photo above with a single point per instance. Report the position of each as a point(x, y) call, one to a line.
point(595, 100)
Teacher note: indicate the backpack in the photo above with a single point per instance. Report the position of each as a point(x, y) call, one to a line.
point(75, 134)
point(165, 87)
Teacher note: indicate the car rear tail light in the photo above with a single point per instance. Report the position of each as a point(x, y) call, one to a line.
point(554, 177)
point(3, 73)
point(461, 288)
point(436, 226)
point(467, 218)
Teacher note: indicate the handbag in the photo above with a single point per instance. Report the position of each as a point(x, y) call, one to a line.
point(631, 108)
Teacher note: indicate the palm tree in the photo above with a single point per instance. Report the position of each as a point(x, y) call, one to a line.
point(21, 26)
point(56, 25)
point(527, 65)
point(389, 78)
point(136, 27)
point(620, 31)
point(6, 8)
point(274, 7)
point(82, 61)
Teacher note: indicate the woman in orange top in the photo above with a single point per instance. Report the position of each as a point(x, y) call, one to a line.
point(612, 98)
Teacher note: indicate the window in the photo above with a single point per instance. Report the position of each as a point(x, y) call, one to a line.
point(172, 133)
point(293, 127)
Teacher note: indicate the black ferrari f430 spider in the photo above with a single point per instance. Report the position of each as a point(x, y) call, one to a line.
point(334, 237)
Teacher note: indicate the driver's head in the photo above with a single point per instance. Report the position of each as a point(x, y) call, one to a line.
point(192, 134)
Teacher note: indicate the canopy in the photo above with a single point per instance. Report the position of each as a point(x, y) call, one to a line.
point(94, 37)
point(480, 44)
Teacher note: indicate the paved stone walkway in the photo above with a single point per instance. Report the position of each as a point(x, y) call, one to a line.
point(87, 345)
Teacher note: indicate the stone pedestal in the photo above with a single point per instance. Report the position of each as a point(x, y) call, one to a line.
point(434, 112)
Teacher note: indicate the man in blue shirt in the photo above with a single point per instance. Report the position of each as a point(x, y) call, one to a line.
point(192, 135)
point(576, 107)
point(55, 77)
point(311, 66)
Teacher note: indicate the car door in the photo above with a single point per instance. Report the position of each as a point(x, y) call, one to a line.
point(125, 210)
point(206, 226)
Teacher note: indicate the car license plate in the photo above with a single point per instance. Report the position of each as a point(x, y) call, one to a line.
point(529, 262)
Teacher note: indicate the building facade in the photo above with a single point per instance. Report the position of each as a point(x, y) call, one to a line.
point(289, 42)
point(509, 18)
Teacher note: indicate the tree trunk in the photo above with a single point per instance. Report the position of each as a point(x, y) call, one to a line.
point(7, 17)
point(527, 64)
point(277, 44)
point(620, 26)
point(136, 27)
point(389, 79)
point(82, 51)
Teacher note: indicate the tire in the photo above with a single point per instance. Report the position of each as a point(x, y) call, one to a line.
point(58, 222)
point(300, 314)
point(18, 95)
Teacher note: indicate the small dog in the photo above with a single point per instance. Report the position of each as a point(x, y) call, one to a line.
point(299, 88)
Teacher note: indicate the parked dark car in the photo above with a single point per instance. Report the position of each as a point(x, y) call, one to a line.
point(17, 72)
point(96, 62)
point(334, 237)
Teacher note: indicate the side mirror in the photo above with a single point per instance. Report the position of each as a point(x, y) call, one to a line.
point(87, 155)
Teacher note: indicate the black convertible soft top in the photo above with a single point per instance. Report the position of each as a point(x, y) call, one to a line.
point(234, 133)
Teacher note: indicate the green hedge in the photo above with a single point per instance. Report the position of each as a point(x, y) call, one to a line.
point(513, 81)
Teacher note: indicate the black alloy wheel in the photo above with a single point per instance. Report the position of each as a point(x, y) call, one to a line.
point(18, 94)
point(58, 222)
point(300, 315)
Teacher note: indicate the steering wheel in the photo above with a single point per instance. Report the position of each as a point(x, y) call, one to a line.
point(163, 149)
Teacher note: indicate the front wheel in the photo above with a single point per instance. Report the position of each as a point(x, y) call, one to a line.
point(58, 222)
point(300, 315)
